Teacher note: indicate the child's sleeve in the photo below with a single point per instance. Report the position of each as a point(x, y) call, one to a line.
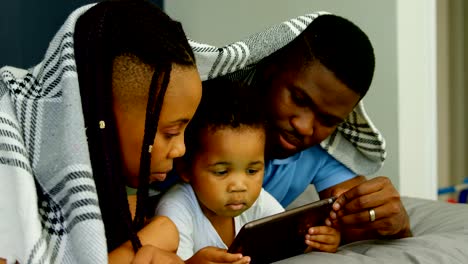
point(181, 216)
point(268, 205)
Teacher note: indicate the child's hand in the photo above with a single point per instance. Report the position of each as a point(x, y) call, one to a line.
point(217, 255)
point(323, 238)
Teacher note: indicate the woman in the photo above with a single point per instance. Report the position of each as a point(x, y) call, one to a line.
point(139, 88)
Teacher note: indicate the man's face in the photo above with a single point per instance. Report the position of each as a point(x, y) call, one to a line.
point(304, 107)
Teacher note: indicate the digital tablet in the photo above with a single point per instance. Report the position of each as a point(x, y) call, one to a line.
point(281, 235)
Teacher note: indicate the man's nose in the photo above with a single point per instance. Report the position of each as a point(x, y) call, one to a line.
point(303, 123)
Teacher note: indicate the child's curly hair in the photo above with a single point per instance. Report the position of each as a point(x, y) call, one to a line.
point(225, 103)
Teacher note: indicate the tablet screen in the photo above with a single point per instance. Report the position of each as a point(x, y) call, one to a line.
point(281, 235)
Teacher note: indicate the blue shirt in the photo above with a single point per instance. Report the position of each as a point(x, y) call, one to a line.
point(286, 179)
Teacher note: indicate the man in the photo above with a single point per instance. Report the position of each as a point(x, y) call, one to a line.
point(312, 86)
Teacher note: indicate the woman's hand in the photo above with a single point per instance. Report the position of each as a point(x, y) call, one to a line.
point(153, 255)
point(217, 255)
point(159, 236)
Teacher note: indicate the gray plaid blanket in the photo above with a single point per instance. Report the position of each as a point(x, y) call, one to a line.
point(49, 205)
point(48, 200)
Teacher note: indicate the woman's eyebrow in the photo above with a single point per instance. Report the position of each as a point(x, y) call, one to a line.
point(179, 121)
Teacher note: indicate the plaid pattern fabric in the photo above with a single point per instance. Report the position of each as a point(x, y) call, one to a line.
point(356, 143)
point(44, 155)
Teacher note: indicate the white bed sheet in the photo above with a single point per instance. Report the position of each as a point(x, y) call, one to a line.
point(440, 234)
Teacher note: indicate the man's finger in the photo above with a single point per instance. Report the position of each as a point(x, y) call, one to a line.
point(355, 198)
point(362, 217)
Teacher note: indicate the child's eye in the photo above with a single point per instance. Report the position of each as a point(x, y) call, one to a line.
point(252, 171)
point(220, 172)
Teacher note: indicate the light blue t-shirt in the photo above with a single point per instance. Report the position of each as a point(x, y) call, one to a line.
point(286, 179)
point(181, 205)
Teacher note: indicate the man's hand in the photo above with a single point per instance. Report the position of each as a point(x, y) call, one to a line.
point(352, 210)
point(217, 255)
point(323, 238)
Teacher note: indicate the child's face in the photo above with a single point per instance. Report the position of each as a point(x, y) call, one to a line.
point(227, 173)
point(305, 106)
point(180, 102)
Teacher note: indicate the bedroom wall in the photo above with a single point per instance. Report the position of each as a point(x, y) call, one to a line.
point(27, 26)
point(452, 93)
point(417, 97)
point(222, 22)
point(443, 95)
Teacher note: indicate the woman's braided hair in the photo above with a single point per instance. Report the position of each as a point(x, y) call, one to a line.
point(107, 30)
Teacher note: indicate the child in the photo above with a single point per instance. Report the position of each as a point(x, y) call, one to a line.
point(223, 172)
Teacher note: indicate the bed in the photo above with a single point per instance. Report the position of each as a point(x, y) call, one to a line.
point(440, 232)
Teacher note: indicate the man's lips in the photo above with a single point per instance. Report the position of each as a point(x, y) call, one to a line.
point(288, 141)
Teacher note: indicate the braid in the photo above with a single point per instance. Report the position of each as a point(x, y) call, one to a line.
point(107, 30)
point(153, 110)
point(96, 107)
